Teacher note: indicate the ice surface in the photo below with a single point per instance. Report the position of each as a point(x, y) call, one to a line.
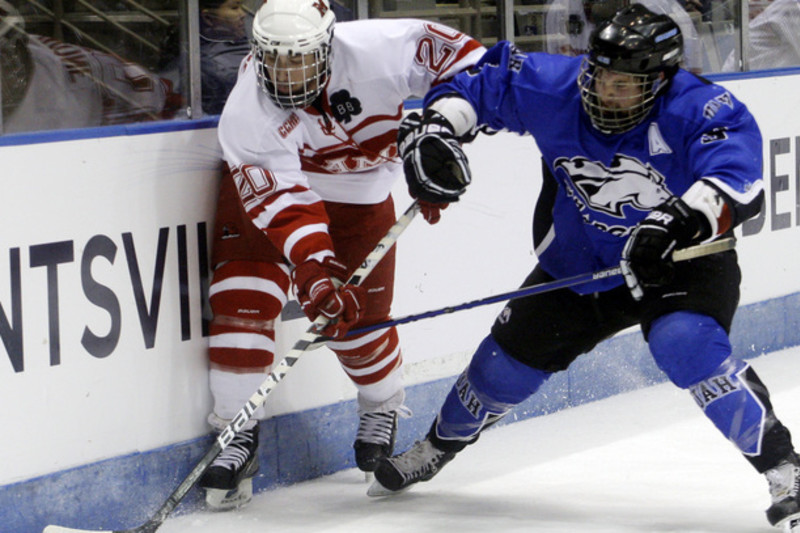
point(646, 461)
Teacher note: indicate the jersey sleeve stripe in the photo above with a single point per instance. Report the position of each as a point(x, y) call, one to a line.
point(276, 204)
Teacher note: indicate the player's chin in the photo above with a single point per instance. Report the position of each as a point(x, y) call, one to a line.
point(616, 113)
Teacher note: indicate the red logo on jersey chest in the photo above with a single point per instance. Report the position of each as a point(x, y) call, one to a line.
point(286, 128)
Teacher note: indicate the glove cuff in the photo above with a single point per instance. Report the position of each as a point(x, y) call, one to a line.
point(714, 213)
point(309, 272)
point(688, 220)
point(457, 112)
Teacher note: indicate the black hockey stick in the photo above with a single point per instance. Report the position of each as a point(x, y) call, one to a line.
point(257, 399)
point(685, 254)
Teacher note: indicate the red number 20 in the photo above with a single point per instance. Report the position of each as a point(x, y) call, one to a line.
point(433, 51)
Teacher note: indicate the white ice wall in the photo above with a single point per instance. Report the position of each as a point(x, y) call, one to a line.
point(82, 215)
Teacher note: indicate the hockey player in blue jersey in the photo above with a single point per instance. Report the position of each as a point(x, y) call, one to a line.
point(640, 157)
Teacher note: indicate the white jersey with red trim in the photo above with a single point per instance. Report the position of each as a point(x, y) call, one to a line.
point(343, 149)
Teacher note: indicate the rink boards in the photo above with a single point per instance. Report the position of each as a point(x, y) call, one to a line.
point(103, 272)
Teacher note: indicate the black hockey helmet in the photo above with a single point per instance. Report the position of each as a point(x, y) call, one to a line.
point(638, 42)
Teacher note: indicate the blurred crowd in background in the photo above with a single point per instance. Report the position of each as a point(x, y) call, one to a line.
point(83, 63)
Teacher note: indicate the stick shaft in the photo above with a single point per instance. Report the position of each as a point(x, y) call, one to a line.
point(685, 254)
point(260, 396)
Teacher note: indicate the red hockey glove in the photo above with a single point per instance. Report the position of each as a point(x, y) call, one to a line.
point(316, 287)
point(431, 212)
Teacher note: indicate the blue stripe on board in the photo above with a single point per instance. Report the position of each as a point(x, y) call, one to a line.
point(141, 128)
point(123, 492)
point(211, 121)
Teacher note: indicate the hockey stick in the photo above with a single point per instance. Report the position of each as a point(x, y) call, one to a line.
point(257, 399)
point(685, 254)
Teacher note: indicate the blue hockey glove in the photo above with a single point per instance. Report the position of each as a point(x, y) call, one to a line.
point(436, 169)
point(647, 256)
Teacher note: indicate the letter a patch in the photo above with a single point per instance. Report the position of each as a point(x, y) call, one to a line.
point(657, 143)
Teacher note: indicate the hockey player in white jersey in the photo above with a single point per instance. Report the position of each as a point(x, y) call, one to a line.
point(309, 140)
point(640, 157)
point(48, 84)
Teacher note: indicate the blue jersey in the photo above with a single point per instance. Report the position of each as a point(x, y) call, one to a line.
point(597, 187)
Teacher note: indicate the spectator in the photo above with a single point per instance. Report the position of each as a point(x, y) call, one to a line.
point(774, 38)
point(48, 84)
point(569, 23)
point(223, 45)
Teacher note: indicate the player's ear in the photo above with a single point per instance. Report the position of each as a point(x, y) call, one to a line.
point(208, 17)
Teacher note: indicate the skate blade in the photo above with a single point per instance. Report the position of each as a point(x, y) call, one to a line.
point(225, 500)
point(376, 490)
point(792, 525)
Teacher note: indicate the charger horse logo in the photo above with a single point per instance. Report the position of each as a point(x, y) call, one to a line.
point(627, 181)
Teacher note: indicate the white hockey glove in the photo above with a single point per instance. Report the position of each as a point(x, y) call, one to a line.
point(436, 169)
point(647, 256)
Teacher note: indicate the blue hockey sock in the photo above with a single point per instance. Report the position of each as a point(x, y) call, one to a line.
point(695, 353)
point(729, 399)
point(491, 385)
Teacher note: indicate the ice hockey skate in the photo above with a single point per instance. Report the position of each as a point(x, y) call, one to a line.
point(228, 482)
point(374, 439)
point(784, 487)
point(420, 463)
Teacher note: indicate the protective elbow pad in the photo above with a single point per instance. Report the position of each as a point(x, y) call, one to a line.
point(716, 214)
point(458, 112)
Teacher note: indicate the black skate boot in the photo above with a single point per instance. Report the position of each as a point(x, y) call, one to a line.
point(784, 487)
point(420, 463)
point(374, 439)
point(228, 482)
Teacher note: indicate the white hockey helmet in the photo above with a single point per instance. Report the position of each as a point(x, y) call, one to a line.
point(292, 46)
